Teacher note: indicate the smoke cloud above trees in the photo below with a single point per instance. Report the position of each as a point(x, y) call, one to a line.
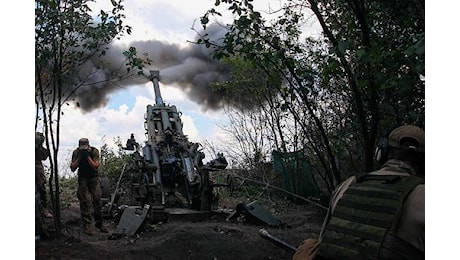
point(190, 68)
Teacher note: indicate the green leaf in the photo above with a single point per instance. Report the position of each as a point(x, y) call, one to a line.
point(204, 20)
point(360, 54)
point(342, 46)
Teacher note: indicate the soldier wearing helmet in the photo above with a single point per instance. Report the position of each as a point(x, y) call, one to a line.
point(379, 215)
point(86, 159)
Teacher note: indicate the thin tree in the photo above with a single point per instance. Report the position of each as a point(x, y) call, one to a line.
point(354, 79)
point(68, 35)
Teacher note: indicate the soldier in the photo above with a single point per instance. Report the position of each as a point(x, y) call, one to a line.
point(41, 154)
point(380, 215)
point(86, 159)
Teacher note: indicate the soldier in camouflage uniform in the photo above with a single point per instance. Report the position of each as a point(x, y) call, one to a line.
point(379, 215)
point(41, 153)
point(86, 159)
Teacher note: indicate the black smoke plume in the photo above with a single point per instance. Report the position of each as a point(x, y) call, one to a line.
point(192, 68)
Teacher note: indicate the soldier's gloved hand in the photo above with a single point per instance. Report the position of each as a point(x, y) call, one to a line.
point(306, 250)
point(83, 153)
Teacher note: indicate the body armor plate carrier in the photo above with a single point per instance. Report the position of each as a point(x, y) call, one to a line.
point(364, 223)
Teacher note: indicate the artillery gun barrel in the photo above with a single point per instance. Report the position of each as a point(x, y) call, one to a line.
point(155, 77)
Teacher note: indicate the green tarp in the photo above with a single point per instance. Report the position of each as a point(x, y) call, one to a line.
point(296, 172)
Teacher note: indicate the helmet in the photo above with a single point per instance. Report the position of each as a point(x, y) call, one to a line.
point(39, 138)
point(83, 143)
point(398, 135)
point(403, 137)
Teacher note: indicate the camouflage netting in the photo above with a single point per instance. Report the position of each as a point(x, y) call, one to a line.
point(296, 172)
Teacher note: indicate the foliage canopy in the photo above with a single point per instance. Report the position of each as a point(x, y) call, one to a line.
point(361, 77)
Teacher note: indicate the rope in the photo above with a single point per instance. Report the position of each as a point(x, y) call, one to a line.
point(282, 190)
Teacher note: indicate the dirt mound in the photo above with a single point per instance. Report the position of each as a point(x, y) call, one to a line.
point(213, 238)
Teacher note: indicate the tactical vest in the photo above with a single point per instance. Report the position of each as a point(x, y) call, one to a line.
point(84, 169)
point(364, 223)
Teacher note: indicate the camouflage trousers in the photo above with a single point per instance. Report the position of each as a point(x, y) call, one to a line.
point(40, 184)
point(89, 195)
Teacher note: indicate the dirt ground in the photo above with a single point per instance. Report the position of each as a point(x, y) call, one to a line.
point(215, 237)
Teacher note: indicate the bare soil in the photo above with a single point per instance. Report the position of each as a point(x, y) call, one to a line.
point(212, 238)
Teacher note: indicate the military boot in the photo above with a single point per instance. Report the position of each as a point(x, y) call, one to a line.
point(102, 227)
point(87, 230)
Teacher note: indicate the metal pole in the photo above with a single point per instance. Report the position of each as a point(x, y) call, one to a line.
point(285, 191)
point(264, 233)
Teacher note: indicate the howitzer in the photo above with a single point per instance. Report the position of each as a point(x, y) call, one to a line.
point(168, 172)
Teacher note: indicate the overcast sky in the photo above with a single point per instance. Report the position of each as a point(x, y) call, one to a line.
point(161, 26)
point(162, 29)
